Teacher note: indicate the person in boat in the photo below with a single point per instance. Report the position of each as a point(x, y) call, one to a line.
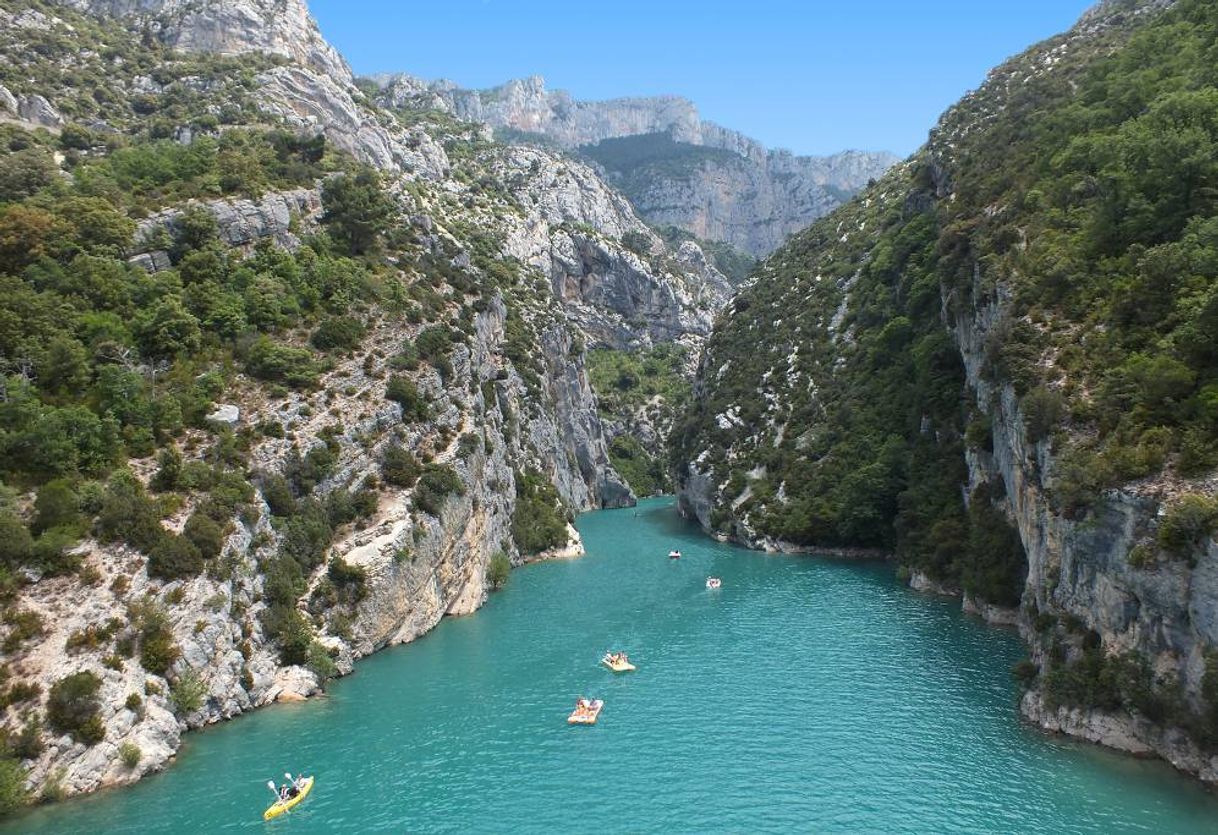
point(292, 787)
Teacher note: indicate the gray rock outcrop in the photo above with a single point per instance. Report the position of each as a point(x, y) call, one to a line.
point(749, 196)
point(559, 271)
point(230, 27)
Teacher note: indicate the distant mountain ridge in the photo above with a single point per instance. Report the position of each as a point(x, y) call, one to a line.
point(752, 200)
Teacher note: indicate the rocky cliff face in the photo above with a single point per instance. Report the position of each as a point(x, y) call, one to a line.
point(230, 27)
point(546, 240)
point(747, 196)
point(829, 398)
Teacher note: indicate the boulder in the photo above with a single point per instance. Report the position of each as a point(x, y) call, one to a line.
point(225, 413)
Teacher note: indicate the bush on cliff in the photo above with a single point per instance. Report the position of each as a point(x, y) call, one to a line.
point(357, 210)
point(12, 785)
point(437, 483)
point(72, 707)
point(498, 571)
point(399, 467)
point(405, 393)
point(1187, 525)
point(538, 522)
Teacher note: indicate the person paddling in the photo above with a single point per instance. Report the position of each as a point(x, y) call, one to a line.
point(293, 784)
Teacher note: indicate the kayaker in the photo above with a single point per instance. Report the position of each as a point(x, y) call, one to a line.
point(293, 786)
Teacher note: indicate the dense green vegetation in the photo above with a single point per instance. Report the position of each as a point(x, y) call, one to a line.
point(106, 368)
point(1114, 306)
point(539, 521)
point(1081, 230)
point(635, 386)
point(1088, 194)
point(627, 380)
point(645, 473)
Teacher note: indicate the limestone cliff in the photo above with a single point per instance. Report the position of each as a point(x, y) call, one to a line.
point(676, 168)
point(512, 261)
point(918, 373)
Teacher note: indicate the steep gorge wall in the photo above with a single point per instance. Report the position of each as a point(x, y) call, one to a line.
point(515, 400)
point(748, 196)
point(1121, 635)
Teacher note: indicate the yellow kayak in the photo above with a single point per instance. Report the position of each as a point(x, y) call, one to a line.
point(281, 806)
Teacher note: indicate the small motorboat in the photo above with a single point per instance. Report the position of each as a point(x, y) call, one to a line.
point(618, 662)
point(674, 554)
point(586, 712)
point(280, 806)
point(713, 583)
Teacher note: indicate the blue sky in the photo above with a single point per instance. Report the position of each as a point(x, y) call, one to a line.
point(815, 77)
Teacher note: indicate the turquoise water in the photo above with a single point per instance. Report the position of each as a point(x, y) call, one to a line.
point(806, 695)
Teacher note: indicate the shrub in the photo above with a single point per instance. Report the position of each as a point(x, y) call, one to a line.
point(134, 702)
point(289, 627)
point(16, 544)
point(319, 661)
point(28, 744)
point(175, 558)
point(1025, 672)
point(186, 693)
point(1187, 524)
point(72, 707)
point(437, 482)
point(270, 361)
point(52, 553)
point(357, 210)
point(405, 393)
point(278, 495)
point(128, 515)
point(351, 580)
point(399, 467)
point(12, 786)
point(56, 506)
point(637, 242)
point(498, 570)
point(169, 470)
point(1042, 410)
point(130, 754)
point(341, 332)
point(24, 624)
point(205, 534)
point(306, 473)
point(158, 651)
point(468, 444)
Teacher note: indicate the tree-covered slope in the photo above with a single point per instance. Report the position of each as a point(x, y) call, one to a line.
point(999, 363)
point(285, 377)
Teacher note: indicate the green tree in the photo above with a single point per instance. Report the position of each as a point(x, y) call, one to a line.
point(64, 367)
point(16, 544)
point(167, 329)
point(357, 210)
point(24, 173)
point(498, 570)
point(56, 505)
point(72, 707)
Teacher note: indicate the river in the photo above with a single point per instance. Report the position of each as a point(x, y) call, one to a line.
point(807, 694)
